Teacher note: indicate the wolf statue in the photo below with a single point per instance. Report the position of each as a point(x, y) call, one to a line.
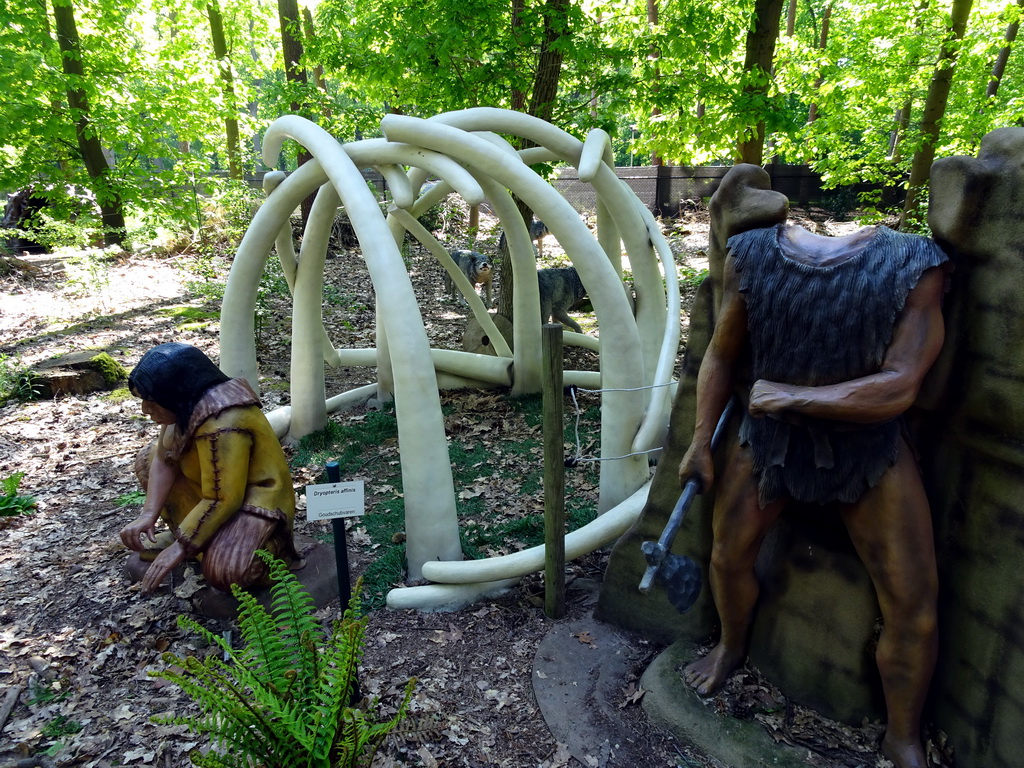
point(477, 269)
point(560, 290)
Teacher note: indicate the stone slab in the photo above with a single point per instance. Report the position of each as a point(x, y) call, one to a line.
point(670, 704)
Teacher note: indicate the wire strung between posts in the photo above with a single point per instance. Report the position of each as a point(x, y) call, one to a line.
point(578, 457)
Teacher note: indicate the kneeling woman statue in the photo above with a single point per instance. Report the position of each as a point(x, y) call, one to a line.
point(216, 474)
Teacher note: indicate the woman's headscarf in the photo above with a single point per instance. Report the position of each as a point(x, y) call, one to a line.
point(175, 376)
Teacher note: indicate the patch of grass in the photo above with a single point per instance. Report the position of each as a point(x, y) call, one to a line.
point(485, 526)
point(385, 572)
point(346, 443)
point(188, 314)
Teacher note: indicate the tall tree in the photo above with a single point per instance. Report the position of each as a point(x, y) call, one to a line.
point(935, 108)
point(999, 66)
point(295, 76)
point(107, 195)
point(760, 54)
point(542, 104)
point(291, 48)
point(220, 51)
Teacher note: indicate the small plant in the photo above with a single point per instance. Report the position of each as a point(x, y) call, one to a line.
point(131, 499)
point(283, 699)
point(60, 726)
point(40, 693)
point(691, 276)
point(17, 382)
point(11, 503)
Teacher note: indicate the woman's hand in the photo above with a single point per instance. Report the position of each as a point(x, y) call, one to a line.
point(164, 563)
point(144, 526)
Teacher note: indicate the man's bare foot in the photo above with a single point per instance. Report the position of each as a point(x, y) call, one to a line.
point(904, 754)
point(706, 675)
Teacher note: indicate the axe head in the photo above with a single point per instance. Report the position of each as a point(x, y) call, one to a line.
point(682, 579)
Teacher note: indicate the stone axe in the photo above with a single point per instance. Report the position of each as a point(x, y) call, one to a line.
point(679, 574)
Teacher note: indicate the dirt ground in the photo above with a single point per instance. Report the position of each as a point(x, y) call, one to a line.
point(77, 641)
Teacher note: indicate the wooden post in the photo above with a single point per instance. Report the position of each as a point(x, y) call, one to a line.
point(554, 473)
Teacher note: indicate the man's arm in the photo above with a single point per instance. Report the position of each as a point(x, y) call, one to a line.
point(917, 339)
point(716, 379)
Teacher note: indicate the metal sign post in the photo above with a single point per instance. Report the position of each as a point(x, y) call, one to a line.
point(336, 501)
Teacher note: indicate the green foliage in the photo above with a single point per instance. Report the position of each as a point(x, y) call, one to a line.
point(11, 503)
point(284, 698)
point(131, 499)
point(47, 694)
point(61, 725)
point(17, 382)
point(691, 276)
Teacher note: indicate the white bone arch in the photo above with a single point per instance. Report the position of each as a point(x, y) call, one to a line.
point(639, 338)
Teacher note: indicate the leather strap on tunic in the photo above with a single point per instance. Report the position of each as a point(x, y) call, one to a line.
point(812, 326)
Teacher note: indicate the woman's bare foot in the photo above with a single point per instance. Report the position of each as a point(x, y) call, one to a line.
point(706, 675)
point(904, 754)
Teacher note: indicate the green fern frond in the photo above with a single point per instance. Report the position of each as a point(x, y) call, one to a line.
point(229, 716)
point(294, 610)
point(282, 700)
point(265, 651)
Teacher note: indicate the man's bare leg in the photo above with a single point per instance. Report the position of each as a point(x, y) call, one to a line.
point(891, 528)
point(739, 526)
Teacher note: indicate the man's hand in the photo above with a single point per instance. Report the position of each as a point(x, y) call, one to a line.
point(769, 398)
point(144, 526)
point(164, 563)
point(698, 463)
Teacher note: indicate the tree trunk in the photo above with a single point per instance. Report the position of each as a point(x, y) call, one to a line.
point(935, 108)
point(220, 51)
point(542, 101)
point(900, 123)
point(294, 73)
point(518, 101)
point(812, 112)
point(756, 66)
point(88, 141)
point(549, 63)
point(791, 19)
point(999, 67)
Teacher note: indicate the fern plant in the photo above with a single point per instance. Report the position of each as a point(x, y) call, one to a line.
point(284, 699)
point(10, 502)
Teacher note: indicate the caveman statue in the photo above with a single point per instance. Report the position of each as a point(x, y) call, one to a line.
point(838, 334)
point(816, 624)
point(826, 343)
